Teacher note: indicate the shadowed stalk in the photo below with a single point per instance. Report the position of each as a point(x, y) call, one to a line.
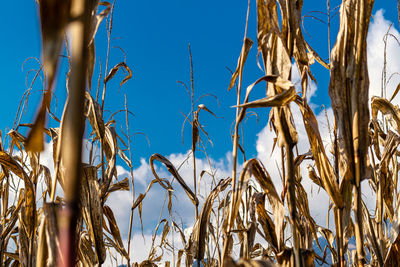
point(72, 132)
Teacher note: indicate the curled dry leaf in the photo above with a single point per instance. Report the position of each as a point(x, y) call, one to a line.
point(95, 116)
point(114, 70)
point(171, 168)
point(242, 59)
point(391, 112)
point(98, 18)
point(119, 245)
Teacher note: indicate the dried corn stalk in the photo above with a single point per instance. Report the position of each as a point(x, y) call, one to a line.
point(348, 89)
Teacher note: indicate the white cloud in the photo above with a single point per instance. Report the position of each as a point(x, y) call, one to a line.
point(378, 28)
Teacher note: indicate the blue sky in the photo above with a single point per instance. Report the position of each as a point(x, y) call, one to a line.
point(155, 37)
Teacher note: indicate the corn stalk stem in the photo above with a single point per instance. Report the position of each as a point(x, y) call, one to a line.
point(234, 168)
point(239, 115)
point(358, 226)
point(356, 132)
point(291, 198)
point(339, 236)
point(132, 180)
point(73, 128)
point(194, 142)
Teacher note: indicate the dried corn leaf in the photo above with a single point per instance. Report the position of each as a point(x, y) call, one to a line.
point(313, 176)
point(180, 254)
point(47, 177)
point(315, 55)
point(265, 221)
point(115, 231)
point(91, 63)
point(17, 139)
point(281, 99)
point(171, 168)
point(12, 165)
point(86, 253)
point(23, 240)
point(275, 55)
point(12, 220)
point(264, 179)
point(282, 86)
point(110, 144)
point(110, 149)
point(120, 186)
point(391, 112)
point(329, 237)
point(242, 59)
point(375, 133)
point(391, 143)
point(396, 91)
point(393, 255)
point(308, 224)
point(92, 210)
point(153, 257)
point(293, 37)
point(125, 158)
point(95, 116)
point(372, 236)
point(114, 70)
point(98, 18)
point(324, 167)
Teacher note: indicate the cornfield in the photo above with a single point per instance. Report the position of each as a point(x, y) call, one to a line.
point(61, 217)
